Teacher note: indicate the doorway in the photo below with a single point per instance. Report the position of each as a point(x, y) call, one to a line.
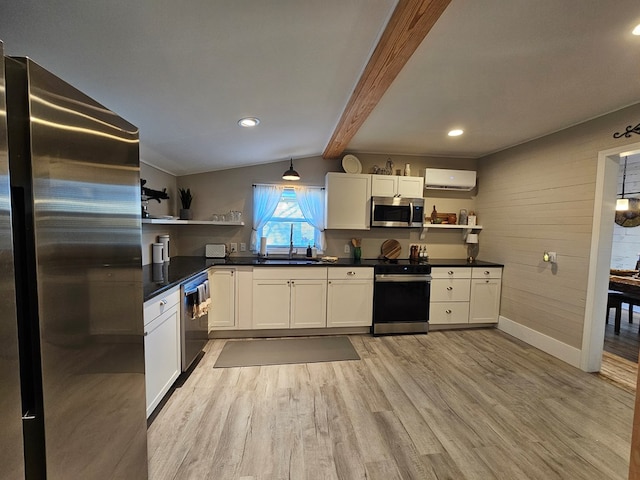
point(608, 167)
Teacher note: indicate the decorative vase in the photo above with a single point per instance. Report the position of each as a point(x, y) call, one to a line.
point(185, 214)
point(407, 170)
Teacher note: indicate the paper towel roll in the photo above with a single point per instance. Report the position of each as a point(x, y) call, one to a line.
point(263, 246)
point(472, 238)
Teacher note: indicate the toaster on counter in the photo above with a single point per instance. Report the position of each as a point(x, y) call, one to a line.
point(215, 250)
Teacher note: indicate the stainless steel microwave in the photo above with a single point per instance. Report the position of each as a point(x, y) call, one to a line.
point(397, 212)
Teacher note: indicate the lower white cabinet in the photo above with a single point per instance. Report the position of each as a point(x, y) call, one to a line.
point(486, 286)
point(465, 295)
point(222, 288)
point(161, 346)
point(349, 297)
point(449, 300)
point(289, 297)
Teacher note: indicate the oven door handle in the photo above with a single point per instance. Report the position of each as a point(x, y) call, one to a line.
point(403, 278)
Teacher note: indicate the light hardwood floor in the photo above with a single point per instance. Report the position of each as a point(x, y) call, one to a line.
point(473, 404)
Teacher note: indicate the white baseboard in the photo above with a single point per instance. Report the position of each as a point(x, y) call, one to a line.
point(553, 347)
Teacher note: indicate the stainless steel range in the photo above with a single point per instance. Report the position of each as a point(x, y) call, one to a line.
point(401, 297)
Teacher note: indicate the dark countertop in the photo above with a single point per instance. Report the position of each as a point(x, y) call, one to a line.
point(460, 262)
point(158, 278)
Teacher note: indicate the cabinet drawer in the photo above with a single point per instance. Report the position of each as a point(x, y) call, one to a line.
point(160, 304)
point(450, 290)
point(348, 273)
point(286, 273)
point(453, 272)
point(491, 272)
point(448, 312)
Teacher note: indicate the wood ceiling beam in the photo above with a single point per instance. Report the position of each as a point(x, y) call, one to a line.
point(407, 27)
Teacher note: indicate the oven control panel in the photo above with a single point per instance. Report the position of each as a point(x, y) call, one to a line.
point(403, 268)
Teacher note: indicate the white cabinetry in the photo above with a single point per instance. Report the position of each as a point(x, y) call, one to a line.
point(161, 345)
point(450, 293)
point(391, 185)
point(348, 201)
point(486, 285)
point(349, 297)
point(222, 287)
point(293, 297)
point(465, 295)
point(231, 298)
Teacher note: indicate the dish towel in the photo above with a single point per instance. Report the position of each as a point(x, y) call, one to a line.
point(202, 300)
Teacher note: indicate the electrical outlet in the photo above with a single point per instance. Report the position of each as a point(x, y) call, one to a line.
point(243, 247)
point(234, 247)
point(347, 248)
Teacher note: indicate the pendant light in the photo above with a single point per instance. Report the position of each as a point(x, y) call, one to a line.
point(291, 174)
point(622, 204)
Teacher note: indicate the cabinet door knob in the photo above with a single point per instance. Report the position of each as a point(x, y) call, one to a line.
point(450, 272)
point(449, 288)
point(351, 273)
point(487, 272)
point(163, 302)
point(447, 311)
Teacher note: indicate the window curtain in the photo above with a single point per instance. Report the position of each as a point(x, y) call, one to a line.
point(311, 203)
point(265, 201)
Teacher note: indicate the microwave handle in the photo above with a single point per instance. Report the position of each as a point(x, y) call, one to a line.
point(411, 216)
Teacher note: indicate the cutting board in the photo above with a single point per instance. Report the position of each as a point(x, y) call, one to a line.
point(391, 249)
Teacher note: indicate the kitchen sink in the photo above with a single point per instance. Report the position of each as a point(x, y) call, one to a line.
point(293, 261)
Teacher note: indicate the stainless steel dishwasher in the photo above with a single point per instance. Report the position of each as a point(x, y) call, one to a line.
point(194, 318)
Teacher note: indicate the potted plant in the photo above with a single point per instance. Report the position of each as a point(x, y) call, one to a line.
point(185, 200)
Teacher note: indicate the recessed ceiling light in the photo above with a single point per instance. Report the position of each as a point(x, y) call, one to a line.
point(455, 133)
point(636, 31)
point(248, 122)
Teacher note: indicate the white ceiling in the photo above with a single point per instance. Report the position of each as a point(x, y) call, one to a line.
point(185, 72)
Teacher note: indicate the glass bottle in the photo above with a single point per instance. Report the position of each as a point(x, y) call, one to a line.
point(434, 215)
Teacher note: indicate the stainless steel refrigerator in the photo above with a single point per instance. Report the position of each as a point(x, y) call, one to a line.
point(72, 392)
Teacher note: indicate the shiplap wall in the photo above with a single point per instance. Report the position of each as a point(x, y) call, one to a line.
point(539, 197)
point(626, 240)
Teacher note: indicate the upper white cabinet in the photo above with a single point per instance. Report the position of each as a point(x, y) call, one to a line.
point(348, 201)
point(392, 185)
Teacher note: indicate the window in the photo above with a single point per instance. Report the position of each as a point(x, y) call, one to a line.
point(284, 213)
point(288, 222)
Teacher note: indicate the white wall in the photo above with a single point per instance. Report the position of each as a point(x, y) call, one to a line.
point(221, 191)
point(537, 197)
point(159, 180)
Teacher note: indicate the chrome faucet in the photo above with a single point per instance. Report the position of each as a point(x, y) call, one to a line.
point(291, 243)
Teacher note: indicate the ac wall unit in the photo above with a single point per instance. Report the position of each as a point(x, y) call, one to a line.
point(443, 179)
